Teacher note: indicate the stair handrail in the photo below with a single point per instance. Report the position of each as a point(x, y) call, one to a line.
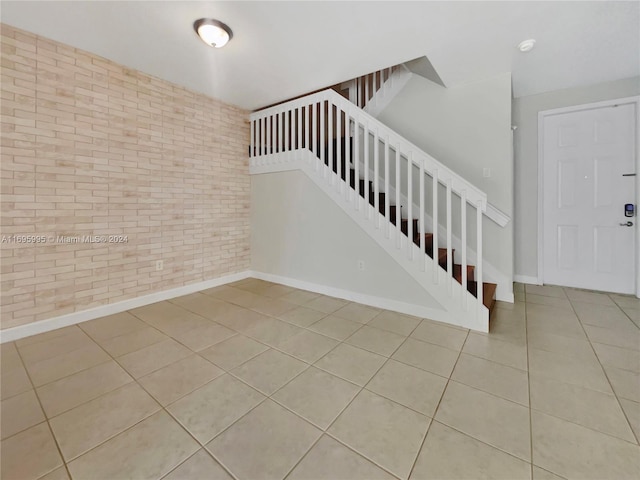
point(419, 157)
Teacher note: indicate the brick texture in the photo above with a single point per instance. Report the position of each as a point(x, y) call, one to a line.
point(92, 148)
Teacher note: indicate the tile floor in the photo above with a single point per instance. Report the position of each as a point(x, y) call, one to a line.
point(262, 381)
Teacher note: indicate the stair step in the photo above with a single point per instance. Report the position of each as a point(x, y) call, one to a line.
point(442, 257)
point(488, 294)
point(457, 272)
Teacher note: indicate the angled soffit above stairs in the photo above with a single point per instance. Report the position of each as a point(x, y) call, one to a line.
point(423, 67)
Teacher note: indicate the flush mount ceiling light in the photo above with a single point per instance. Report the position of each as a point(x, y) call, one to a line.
point(526, 45)
point(213, 32)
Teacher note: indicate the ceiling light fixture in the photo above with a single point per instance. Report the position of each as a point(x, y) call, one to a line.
point(526, 45)
point(213, 32)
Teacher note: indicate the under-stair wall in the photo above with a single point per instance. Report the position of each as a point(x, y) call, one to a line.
point(468, 128)
point(285, 137)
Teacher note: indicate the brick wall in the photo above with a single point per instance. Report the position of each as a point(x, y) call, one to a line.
point(92, 148)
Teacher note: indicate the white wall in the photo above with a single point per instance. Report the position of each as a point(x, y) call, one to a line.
point(300, 233)
point(525, 117)
point(468, 128)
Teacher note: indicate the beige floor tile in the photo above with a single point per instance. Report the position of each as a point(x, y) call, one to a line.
point(492, 420)
point(9, 357)
point(626, 384)
point(633, 314)
point(205, 336)
point(176, 380)
point(307, 346)
point(243, 298)
point(607, 316)
point(409, 386)
point(628, 339)
point(269, 371)
point(131, 342)
point(344, 464)
point(506, 382)
point(71, 391)
point(198, 467)
point(505, 353)
point(562, 326)
point(48, 349)
point(376, 340)
point(335, 327)
point(212, 408)
point(395, 322)
point(174, 326)
point(507, 330)
point(383, 431)
point(66, 364)
point(14, 382)
point(586, 407)
point(536, 311)
point(317, 396)
point(550, 301)
point(541, 474)
point(573, 451)
point(357, 312)
point(588, 297)
point(427, 356)
point(19, 413)
point(58, 474)
point(550, 342)
point(519, 297)
point(241, 319)
point(301, 316)
point(440, 334)
point(149, 450)
point(152, 358)
point(272, 331)
point(112, 326)
point(326, 304)
point(568, 369)
point(623, 358)
point(29, 454)
point(277, 291)
point(273, 306)
point(203, 305)
point(351, 363)
point(632, 412)
point(449, 454)
point(266, 443)
point(299, 297)
point(545, 290)
point(94, 422)
point(233, 352)
point(42, 337)
point(629, 301)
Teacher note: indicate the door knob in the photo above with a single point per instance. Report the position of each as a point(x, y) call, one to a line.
point(627, 224)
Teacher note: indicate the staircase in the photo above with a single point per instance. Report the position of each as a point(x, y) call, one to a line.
point(392, 188)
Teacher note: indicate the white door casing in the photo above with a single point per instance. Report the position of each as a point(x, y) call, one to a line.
point(584, 152)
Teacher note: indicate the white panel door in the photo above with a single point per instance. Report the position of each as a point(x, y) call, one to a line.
point(586, 154)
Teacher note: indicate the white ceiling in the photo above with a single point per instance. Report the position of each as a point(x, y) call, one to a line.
point(283, 49)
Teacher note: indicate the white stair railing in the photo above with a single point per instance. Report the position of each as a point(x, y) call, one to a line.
point(348, 143)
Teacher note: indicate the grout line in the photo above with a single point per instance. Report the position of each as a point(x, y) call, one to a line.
point(526, 346)
point(435, 412)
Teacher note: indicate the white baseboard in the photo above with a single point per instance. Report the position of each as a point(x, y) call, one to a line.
point(21, 331)
point(372, 301)
point(526, 279)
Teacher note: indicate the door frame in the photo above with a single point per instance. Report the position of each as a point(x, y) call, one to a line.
point(635, 100)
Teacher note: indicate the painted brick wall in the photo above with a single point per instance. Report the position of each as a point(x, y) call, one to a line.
point(92, 148)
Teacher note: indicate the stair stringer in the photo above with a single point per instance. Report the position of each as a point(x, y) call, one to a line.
point(439, 284)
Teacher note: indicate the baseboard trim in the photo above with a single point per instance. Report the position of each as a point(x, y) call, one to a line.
point(372, 301)
point(42, 326)
point(526, 279)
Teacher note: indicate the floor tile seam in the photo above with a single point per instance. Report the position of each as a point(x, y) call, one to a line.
point(527, 348)
point(611, 386)
point(493, 361)
point(55, 439)
point(364, 455)
point(456, 380)
point(435, 412)
point(593, 429)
